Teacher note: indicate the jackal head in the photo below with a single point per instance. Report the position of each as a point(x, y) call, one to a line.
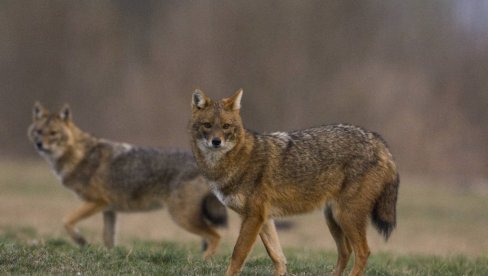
point(216, 126)
point(51, 133)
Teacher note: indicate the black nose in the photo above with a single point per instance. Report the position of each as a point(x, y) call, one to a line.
point(39, 145)
point(216, 142)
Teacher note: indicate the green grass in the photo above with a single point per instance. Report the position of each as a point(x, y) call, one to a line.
point(441, 231)
point(23, 251)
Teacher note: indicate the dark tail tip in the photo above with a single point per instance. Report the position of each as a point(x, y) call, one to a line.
point(214, 211)
point(384, 211)
point(385, 228)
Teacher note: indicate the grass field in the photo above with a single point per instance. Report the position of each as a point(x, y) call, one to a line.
point(23, 253)
point(442, 230)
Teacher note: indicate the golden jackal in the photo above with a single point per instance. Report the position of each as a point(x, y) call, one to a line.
point(344, 169)
point(114, 177)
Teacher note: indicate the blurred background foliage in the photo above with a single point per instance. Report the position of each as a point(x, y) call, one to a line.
point(414, 71)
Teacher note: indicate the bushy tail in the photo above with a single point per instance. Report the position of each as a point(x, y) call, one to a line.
point(384, 211)
point(214, 211)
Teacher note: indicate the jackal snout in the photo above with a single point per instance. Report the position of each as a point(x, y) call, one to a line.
point(216, 137)
point(216, 142)
point(39, 146)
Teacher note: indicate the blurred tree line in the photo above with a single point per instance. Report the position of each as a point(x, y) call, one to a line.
point(414, 71)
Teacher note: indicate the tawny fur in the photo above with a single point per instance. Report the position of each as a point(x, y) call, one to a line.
point(113, 177)
point(344, 169)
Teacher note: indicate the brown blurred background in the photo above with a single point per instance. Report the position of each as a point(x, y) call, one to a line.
point(414, 71)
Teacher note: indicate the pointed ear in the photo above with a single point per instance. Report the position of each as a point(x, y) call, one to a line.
point(38, 111)
point(65, 113)
point(234, 102)
point(199, 100)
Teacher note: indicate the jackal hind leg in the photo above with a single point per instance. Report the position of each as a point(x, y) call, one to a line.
point(210, 240)
point(354, 226)
point(344, 249)
point(195, 223)
point(109, 222)
point(269, 236)
point(84, 211)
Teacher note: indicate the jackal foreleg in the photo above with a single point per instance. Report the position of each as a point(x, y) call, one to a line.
point(250, 228)
point(86, 210)
point(269, 236)
point(109, 221)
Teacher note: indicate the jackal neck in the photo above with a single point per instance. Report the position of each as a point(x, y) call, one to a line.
point(74, 153)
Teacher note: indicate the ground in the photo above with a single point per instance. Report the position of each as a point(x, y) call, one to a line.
point(435, 218)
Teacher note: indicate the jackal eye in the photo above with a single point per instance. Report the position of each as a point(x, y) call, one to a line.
point(207, 125)
point(226, 126)
point(39, 132)
point(53, 133)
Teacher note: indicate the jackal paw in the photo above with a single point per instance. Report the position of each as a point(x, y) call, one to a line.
point(280, 273)
point(80, 241)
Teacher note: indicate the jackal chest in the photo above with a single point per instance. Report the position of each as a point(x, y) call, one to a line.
point(86, 192)
point(234, 201)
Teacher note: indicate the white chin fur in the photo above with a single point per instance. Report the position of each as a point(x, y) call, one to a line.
point(212, 154)
point(50, 154)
